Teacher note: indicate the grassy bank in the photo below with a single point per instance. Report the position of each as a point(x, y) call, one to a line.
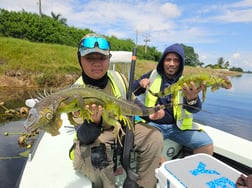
point(37, 64)
point(29, 64)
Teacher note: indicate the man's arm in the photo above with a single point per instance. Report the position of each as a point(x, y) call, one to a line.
point(155, 117)
point(191, 97)
point(137, 87)
point(193, 106)
point(89, 131)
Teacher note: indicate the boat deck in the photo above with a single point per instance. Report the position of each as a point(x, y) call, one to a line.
point(49, 164)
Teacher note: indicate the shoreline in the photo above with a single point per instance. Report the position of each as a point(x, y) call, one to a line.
point(19, 82)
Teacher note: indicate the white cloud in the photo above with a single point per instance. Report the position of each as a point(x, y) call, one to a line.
point(236, 55)
point(202, 57)
point(236, 15)
point(243, 3)
point(241, 59)
point(170, 10)
point(208, 26)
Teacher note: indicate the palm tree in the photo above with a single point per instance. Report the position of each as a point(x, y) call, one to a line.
point(40, 8)
point(57, 17)
point(220, 62)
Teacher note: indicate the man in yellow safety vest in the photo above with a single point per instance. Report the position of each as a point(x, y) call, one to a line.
point(177, 124)
point(93, 152)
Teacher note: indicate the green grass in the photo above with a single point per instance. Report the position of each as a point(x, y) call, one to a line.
point(37, 61)
point(26, 56)
point(42, 64)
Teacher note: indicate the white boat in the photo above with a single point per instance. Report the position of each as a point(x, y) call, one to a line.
point(49, 165)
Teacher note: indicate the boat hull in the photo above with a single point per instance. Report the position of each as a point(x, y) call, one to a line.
point(49, 164)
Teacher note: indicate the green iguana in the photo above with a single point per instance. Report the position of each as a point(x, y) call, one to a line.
point(46, 112)
point(210, 80)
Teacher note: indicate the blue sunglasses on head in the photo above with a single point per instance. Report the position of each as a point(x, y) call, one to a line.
point(94, 41)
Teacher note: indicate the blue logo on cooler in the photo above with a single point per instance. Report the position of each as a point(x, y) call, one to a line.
point(222, 182)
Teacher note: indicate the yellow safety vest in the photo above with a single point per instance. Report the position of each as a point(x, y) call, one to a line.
point(119, 85)
point(184, 119)
point(119, 88)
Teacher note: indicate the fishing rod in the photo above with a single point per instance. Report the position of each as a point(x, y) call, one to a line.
point(173, 104)
point(131, 178)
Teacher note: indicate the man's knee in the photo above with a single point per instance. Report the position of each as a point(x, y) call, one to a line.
point(208, 149)
point(156, 138)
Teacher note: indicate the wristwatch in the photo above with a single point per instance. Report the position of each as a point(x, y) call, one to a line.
point(192, 102)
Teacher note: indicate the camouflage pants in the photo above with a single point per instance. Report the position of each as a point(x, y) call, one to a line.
point(148, 144)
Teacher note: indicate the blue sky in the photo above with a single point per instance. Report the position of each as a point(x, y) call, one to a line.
point(214, 28)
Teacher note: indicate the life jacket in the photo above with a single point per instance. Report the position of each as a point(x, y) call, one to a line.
point(119, 88)
point(184, 119)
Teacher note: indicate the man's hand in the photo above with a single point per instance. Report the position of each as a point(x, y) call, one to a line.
point(96, 112)
point(157, 115)
point(228, 82)
point(144, 83)
point(191, 92)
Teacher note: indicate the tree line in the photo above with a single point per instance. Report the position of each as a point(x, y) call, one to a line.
point(54, 29)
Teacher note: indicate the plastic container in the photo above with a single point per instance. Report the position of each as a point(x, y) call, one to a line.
point(196, 171)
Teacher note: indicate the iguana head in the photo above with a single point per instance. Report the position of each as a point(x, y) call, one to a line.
point(44, 116)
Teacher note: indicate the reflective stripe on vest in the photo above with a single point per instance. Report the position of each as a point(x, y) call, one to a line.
point(184, 119)
point(119, 87)
point(155, 84)
point(147, 98)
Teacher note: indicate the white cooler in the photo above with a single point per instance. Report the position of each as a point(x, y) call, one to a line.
point(196, 171)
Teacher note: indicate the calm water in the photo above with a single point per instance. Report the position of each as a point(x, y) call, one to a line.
point(228, 110)
point(10, 168)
